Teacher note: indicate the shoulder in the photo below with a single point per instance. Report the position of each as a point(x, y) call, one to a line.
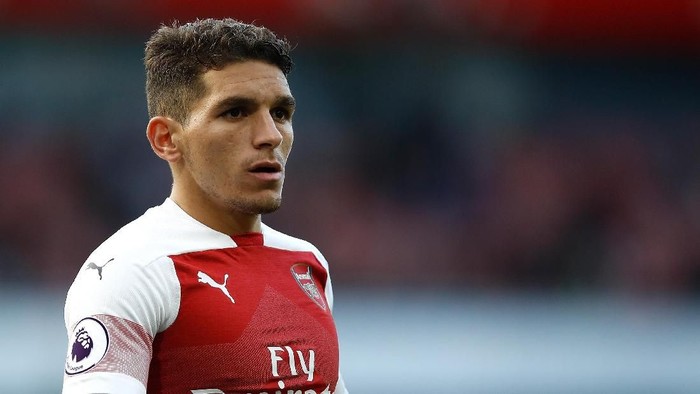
point(132, 276)
point(161, 231)
point(280, 240)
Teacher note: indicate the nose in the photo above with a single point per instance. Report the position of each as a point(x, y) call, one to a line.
point(266, 132)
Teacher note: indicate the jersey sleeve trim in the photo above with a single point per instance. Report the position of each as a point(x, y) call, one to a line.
point(103, 382)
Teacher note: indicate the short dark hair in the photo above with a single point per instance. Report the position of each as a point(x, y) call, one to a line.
point(178, 55)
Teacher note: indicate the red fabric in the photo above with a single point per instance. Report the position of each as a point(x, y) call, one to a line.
point(235, 344)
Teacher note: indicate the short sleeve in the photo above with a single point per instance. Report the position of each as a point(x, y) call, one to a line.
point(113, 310)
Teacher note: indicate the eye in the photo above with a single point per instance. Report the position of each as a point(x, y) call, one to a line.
point(236, 113)
point(281, 114)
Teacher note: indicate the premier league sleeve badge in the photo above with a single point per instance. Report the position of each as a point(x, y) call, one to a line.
point(90, 344)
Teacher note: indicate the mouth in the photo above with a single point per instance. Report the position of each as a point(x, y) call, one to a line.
point(266, 170)
point(266, 167)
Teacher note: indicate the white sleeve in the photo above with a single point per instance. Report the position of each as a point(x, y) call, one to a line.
point(112, 315)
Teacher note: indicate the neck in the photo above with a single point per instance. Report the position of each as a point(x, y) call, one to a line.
point(216, 216)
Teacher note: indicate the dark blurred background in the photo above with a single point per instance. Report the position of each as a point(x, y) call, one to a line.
point(528, 166)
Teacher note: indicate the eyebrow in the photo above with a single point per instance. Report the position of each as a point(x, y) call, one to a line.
point(286, 101)
point(247, 102)
point(234, 101)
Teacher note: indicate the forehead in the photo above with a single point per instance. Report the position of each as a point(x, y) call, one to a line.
point(254, 79)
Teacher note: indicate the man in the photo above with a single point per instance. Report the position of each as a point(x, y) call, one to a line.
point(197, 295)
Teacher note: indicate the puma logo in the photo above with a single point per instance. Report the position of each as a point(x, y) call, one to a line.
point(92, 265)
point(204, 278)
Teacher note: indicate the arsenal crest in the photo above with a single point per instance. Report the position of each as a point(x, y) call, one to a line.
point(302, 273)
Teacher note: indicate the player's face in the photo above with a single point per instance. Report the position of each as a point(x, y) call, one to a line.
point(237, 138)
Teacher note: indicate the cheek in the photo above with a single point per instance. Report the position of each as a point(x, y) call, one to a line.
point(287, 143)
point(209, 154)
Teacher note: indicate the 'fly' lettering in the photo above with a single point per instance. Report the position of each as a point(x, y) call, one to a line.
point(294, 359)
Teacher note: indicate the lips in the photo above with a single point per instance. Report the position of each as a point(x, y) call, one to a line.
point(266, 170)
point(266, 167)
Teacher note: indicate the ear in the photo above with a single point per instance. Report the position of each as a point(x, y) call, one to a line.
point(160, 131)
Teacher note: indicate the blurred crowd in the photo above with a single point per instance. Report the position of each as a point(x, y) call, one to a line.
point(417, 163)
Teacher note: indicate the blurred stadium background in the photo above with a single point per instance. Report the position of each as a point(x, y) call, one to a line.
point(508, 191)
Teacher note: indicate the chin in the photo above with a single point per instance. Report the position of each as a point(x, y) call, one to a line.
point(269, 208)
point(257, 206)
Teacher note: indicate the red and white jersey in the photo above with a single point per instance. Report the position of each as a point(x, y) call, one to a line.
point(169, 305)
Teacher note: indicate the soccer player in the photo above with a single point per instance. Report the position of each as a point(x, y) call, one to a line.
point(198, 295)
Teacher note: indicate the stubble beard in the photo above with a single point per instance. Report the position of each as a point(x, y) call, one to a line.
point(252, 204)
point(255, 206)
point(241, 202)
